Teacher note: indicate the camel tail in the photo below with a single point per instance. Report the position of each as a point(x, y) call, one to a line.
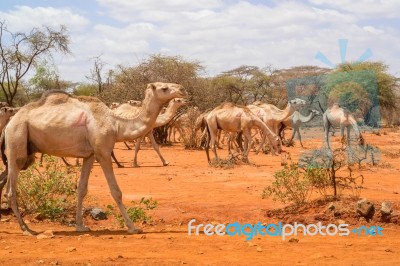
point(3, 147)
point(207, 145)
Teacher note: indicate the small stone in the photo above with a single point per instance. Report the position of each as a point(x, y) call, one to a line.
point(388, 250)
point(386, 208)
point(143, 236)
point(259, 249)
point(251, 244)
point(41, 261)
point(201, 252)
point(45, 234)
point(365, 209)
point(4, 220)
point(348, 244)
point(294, 240)
point(331, 206)
point(98, 214)
point(71, 249)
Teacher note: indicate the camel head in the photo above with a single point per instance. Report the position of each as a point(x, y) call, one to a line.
point(178, 102)
point(296, 103)
point(277, 145)
point(8, 111)
point(135, 103)
point(114, 105)
point(315, 112)
point(163, 92)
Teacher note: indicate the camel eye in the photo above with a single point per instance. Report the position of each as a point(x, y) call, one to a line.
point(165, 89)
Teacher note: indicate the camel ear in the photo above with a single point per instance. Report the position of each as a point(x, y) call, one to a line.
point(151, 86)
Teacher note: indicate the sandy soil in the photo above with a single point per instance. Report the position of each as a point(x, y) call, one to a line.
point(188, 188)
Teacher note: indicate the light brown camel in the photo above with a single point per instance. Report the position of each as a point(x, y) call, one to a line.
point(235, 118)
point(162, 120)
point(272, 115)
point(336, 116)
point(5, 114)
point(181, 122)
point(295, 121)
point(63, 125)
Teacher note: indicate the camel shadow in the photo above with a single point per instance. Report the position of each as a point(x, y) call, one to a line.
point(107, 232)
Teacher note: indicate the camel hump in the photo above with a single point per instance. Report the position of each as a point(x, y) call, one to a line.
point(56, 97)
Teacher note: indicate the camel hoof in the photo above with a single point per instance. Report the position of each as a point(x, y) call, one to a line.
point(120, 166)
point(82, 228)
point(29, 232)
point(135, 231)
point(135, 165)
point(166, 163)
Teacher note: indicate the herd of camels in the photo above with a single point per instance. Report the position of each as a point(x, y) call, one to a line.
point(65, 125)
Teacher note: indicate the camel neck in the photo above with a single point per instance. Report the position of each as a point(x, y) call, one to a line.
point(306, 119)
point(131, 128)
point(283, 114)
point(167, 116)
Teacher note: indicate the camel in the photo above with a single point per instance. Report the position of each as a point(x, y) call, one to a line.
point(273, 116)
point(162, 120)
point(295, 121)
point(63, 125)
point(5, 114)
point(336, 116)
point(235, 118)
point(181, 122)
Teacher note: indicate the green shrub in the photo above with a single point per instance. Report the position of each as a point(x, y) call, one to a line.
point(49, 192)
point(137, 212)
point(289, 186)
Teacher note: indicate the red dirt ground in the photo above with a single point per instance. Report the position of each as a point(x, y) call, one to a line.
point(188, 188)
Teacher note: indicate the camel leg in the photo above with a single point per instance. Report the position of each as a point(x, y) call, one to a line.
point(137, 148)
point(180, 130)
point(326, 131)
point(106, 165)
point(213, 134)
point(116, 161)
point(298, 133)
point(207, 144)
point(12, 198)
point(62, 158)
point(126, 144)
point(3, 181)
point(82, 191)
point(292, 137)
point(156, 147)
point(247, 136)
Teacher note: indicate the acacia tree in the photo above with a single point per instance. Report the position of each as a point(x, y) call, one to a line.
point(46, 78)
point(374, 79)
point(20, 51)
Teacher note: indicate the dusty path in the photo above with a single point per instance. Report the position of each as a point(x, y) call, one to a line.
point(188, 189)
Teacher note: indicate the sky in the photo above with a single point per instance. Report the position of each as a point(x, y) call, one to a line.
point(220, 34)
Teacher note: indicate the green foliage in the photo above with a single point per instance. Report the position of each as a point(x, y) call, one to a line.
point(85, 90)
point(48, 192)
point(289, 186)
point(137, 212)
